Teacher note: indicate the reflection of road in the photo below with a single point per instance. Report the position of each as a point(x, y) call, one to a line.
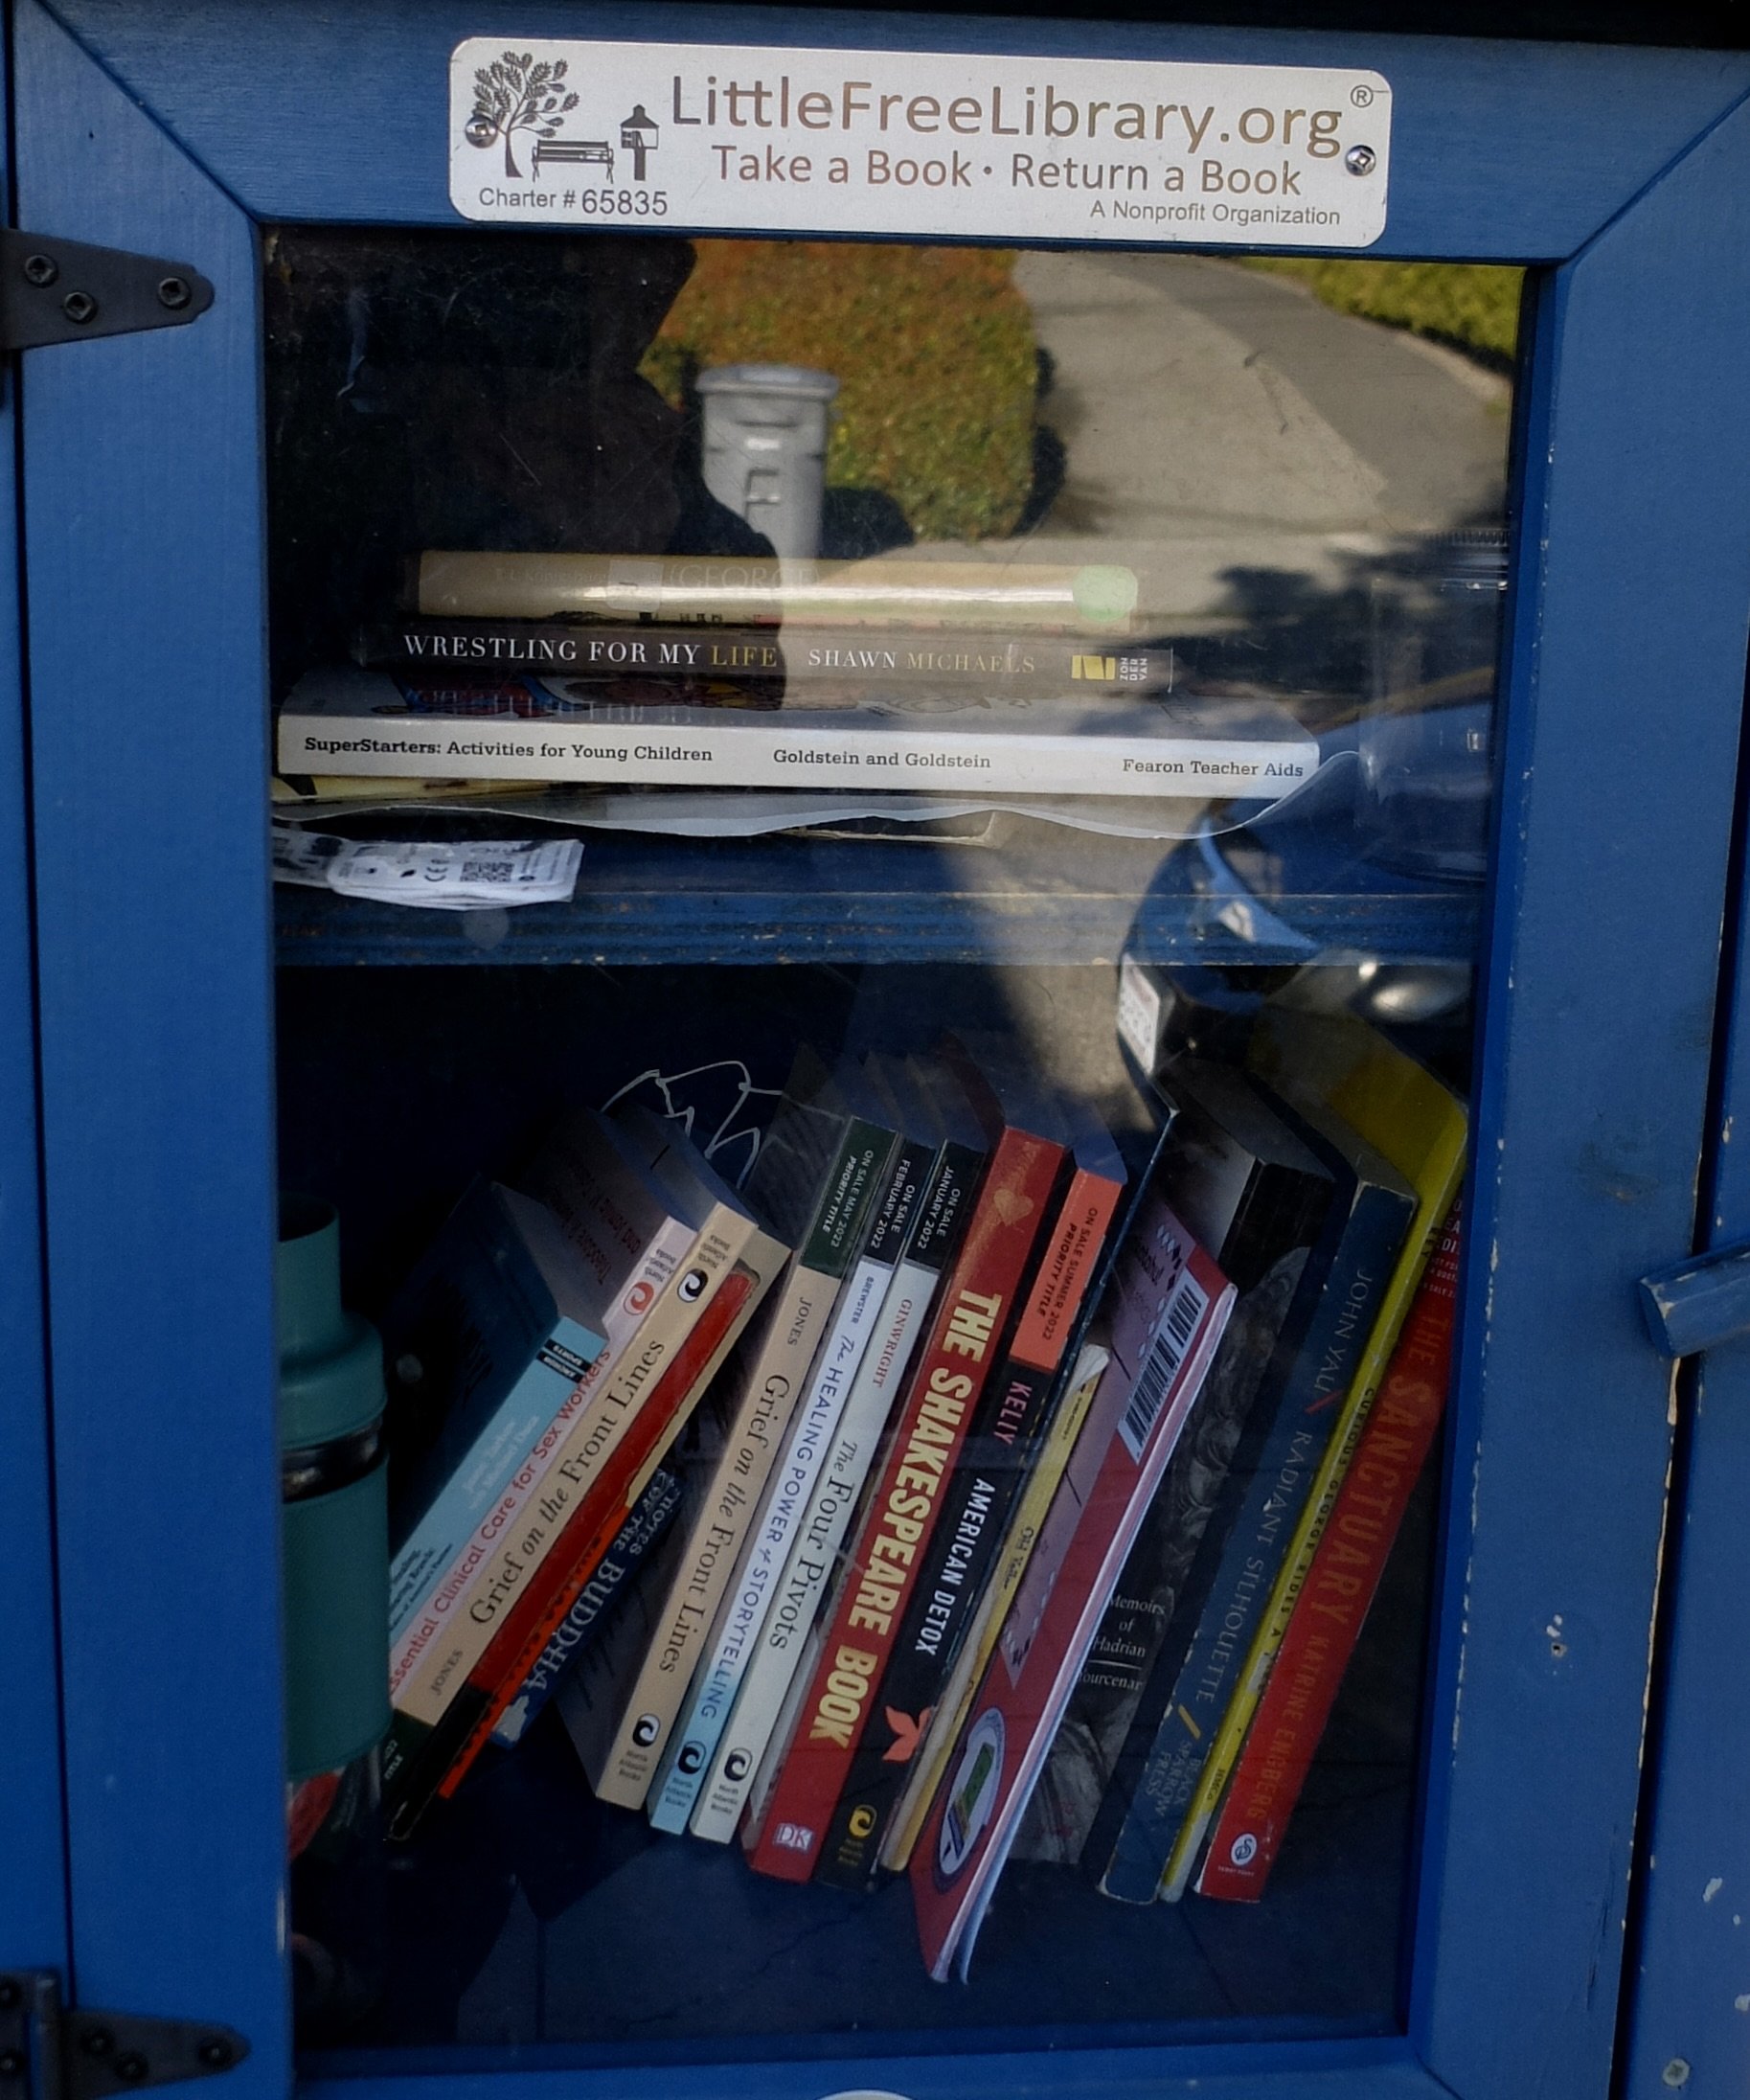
point(1267, 407)
point(1216, 419)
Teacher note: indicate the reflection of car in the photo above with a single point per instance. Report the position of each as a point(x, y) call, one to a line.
point(574, 153)
point(1354, 891)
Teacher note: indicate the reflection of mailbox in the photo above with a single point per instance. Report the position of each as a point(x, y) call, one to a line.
point(638, 137)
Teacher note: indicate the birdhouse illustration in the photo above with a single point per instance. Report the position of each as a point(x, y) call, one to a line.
point(638, 137)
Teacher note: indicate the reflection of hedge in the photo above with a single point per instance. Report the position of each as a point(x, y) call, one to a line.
point(1473, 306)
point(933, 349)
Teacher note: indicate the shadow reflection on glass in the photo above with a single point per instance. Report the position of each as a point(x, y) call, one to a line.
point(1312, 508)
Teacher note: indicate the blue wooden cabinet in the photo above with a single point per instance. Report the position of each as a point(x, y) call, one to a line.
point(1622, 178)
point(33, 1892)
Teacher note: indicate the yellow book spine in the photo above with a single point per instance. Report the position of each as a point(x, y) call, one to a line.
point(1436, 1187)
point(1024, 1527)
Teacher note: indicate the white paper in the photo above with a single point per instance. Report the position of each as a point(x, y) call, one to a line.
point(453, 875)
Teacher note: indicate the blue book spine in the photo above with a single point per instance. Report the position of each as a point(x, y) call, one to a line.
point(437, 1551)
point(650, 1517)
point(1194, 1680)
point(477, 1332)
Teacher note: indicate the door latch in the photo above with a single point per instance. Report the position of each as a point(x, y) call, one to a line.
point(49, 2052)
point(62, 291)
point(1698, 1303)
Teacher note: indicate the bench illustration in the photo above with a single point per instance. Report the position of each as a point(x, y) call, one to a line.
point(574, 153)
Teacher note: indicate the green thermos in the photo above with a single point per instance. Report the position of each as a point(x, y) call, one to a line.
point(334, 1493)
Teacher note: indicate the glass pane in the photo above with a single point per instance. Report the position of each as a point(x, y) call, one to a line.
point(1027, 719)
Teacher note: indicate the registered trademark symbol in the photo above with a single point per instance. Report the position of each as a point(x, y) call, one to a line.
point(1361, 97)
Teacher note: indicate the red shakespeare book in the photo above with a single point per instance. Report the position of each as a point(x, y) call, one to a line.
point(1340, 1588)
point(1002, 1441)
point(964, 1341)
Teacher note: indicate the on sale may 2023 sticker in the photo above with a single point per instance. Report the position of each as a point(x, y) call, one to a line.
point(738, 138)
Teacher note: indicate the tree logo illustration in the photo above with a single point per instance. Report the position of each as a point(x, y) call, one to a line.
point(514, 94)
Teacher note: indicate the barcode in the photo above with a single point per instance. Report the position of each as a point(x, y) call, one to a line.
point(487, 871)
point(1180, 1321)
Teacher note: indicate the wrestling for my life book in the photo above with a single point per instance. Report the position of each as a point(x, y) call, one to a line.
point(758, 656)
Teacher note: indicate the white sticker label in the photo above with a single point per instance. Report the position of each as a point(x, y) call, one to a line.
point(1139, 1014)
point(475, 877)
point(738, 138)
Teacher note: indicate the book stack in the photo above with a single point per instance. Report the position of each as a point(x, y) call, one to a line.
point(965, 1485)
point(918, 677)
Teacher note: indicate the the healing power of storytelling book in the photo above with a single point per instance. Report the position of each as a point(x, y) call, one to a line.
point(748, 1600)
point(930, 1219)
point(1172, 1305)
point(351, 721)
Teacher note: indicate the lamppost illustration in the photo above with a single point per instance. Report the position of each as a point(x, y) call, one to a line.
point(638, 137)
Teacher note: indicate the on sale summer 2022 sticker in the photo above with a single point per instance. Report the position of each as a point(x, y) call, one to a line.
point(737, 138)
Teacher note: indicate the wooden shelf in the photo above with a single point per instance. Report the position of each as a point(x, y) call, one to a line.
point(1044, 895)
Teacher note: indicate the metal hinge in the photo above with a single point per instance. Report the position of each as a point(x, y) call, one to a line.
point(62, 291)
point(48, 2052)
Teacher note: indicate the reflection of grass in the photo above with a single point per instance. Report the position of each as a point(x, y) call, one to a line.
point(933, 349)
point(1473, 306)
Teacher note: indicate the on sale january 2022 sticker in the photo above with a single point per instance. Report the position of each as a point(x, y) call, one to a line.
point(739, 138)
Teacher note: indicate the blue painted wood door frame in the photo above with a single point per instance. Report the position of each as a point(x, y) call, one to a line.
point(1690, 2030)
point(33, 1838)
point(176, 130)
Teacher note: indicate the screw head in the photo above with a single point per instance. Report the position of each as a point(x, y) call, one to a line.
point(97, 2042)
point(214, 2052)
point(79, 307)
point(1677, 2072)
point(40, 269)
point(132, 2067)
point(174, 292)
point(11, 2064)
point(1359, 160)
